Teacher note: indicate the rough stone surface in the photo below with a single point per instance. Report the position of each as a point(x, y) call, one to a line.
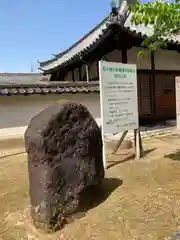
point(64, 147)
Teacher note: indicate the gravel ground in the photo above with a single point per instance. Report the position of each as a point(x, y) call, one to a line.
point(139, 199)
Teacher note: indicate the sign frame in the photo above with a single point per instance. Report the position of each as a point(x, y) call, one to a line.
point(177, 85)
point(121, 70)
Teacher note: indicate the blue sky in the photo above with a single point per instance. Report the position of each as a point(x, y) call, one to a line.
point(34, 30)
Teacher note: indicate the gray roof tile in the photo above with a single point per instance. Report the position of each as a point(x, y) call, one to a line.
point(86, 42)
point(93, 37)
point(49, 88)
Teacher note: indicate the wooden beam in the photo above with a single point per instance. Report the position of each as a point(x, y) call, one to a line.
point(120, 142)
point(105, 47)
point(153, 86)
point(138, 144)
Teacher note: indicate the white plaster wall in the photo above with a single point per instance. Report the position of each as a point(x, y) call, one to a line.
point(164, 59)
point(167, 60)
point(114, 56)
point(143, 62)
point(16, 111)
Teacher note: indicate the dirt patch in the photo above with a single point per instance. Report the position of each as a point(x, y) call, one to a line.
point(142, 202)
point(15, 142)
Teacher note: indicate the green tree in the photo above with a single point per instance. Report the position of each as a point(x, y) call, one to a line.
point(163, 16)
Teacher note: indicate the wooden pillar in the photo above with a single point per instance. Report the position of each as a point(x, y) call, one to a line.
point(153, 86)
point(56, 77)
point(97, 69)
point(124, 58)
point(87, 72)
point(52, 77)
point(80, 75)
point(73, 77)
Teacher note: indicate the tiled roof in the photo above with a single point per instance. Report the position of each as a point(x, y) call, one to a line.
point(87, 36)
point(48, 88)
point(84, 44)
point(21, 78)
point(123, 19)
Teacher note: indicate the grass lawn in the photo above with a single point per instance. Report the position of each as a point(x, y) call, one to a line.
point(140, 199)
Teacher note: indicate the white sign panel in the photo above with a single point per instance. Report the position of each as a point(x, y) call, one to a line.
point(178, 102)
point(118, 92)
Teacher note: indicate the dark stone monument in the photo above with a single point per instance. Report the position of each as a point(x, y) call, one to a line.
point(64, 148)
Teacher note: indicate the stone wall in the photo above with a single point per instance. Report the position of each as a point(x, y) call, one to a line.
point(16, 111)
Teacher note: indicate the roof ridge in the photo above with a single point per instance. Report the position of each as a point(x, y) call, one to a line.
point(90, 41)
point(120, 9)
point(59, 55)
point(120, 17)
point(81, 39)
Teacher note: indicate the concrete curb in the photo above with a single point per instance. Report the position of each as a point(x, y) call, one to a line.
point(144, 134)
point(17, 141)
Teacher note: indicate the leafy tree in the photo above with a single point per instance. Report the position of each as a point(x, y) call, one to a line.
point(163, 16)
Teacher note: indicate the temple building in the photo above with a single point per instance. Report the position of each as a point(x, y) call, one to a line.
point(116, 39)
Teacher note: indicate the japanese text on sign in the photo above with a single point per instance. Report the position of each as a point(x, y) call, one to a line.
point(119, 104)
